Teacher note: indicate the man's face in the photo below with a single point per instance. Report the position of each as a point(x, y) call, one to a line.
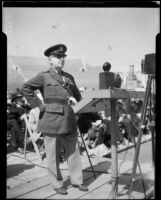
point(120, 105)
point(57, 61)
point(18, 101)
point(101, 114)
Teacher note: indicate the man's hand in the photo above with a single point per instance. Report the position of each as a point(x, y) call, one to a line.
point(72, 101)
point(42, 107)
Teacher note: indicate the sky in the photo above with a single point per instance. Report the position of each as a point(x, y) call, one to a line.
point(121, 36)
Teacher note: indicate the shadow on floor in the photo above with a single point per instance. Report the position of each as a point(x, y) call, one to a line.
point(140, 185)
point(88, 175)
point(14, 170)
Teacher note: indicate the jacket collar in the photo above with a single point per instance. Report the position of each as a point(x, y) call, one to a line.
point(57, 77)
point(65, 77)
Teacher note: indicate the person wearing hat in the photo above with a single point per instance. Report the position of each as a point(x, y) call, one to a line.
point(57, 120)
point(14, 122)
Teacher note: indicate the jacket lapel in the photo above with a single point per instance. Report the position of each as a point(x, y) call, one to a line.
point(55, 75)
point(65, 77)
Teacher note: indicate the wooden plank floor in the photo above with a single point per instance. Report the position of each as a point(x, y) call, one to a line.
point(27, 178)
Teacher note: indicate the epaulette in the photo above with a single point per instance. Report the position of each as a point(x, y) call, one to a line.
point(42, 72)
point(67, 74)
point(46, 71)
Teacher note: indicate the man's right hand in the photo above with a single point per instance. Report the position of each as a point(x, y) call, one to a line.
point(42, 107)
point(72, 101)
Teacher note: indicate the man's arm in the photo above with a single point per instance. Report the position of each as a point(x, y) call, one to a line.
point(29, 87)
point(77, 95)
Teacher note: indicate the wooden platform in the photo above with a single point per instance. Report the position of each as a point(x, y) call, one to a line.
point(27, 178)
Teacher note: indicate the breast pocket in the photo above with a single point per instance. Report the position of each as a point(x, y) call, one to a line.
point(54, 108)
point(52, 84)
point(52, 88)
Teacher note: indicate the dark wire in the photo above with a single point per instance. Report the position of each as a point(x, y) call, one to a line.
point(123, 157)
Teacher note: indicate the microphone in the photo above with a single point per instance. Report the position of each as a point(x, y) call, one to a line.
point(106, 67)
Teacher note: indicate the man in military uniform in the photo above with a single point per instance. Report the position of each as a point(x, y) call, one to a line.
point(57, 120)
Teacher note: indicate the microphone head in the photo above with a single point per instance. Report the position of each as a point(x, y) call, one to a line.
point(106, 66)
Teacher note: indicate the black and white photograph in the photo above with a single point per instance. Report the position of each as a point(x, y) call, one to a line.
point(81, 101)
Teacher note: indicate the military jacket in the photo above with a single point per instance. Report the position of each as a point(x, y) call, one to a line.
point(58, 116)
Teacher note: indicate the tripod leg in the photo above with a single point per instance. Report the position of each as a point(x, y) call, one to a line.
point(25, 141)
point(140, 171)
point(153, 124)
point(153, 146)
point(87, 154)
point(140, 134)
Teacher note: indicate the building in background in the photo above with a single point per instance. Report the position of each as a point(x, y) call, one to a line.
point(131, 79)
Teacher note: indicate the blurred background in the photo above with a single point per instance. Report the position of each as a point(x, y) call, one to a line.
point(121, 36)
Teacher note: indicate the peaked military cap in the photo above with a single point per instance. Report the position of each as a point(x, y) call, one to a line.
point(58, 49)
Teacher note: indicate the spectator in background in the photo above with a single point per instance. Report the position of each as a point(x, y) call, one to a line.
point(106, 123)
point(120, 108)
point(150, 118)
point(14, 123)
point(139, 103)
point(105, 128)
point(95, 136)
point(85, 121)
point(117, 80)
point(129, 122)
point(99, 132)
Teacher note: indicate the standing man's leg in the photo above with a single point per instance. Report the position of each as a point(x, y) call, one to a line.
point(73, 158)
point(52, 147)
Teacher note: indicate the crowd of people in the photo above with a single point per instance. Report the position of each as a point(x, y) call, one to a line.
point(95, 127)
point(17, 105)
